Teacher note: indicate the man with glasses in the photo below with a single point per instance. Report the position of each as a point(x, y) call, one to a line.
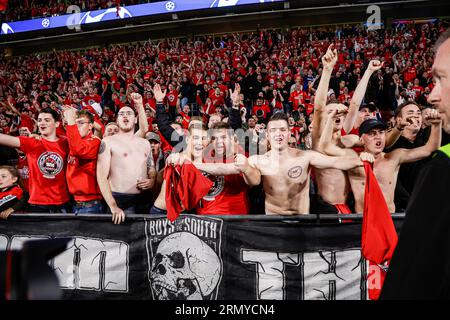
point(125, 167)
point(82, 162)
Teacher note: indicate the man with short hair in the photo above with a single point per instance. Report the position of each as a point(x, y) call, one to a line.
point(419, 267)
point(386, 165)
point(285, 171)
point(125, 167)
point(82, 161)
point(47, 159)
point(111, 129)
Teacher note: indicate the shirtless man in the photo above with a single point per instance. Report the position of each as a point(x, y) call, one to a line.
point(334, 185)
point(285, 171)
point(125, 167)
point(386, 165)
point(196, 141)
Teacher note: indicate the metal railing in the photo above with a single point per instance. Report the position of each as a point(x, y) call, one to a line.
point(355, 217)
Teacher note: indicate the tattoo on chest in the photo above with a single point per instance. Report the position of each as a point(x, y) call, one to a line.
point(295, 172)
point(102, 147)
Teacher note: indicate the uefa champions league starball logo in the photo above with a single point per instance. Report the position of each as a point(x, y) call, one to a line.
point(170, 6)
point(45, 23)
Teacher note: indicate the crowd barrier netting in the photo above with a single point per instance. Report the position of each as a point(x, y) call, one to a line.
point(202, 257)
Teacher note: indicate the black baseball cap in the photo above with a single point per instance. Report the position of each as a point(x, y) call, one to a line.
point(370, 124)
point(371, 106)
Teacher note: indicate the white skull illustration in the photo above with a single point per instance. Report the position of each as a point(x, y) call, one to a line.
point(184, 268)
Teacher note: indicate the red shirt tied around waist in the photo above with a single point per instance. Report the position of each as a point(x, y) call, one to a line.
point(47, 166)
point(82, 165)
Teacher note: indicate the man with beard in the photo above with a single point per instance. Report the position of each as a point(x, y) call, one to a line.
point(125, 167)
point(285, 171)
point(419, 267)
point(47, 160)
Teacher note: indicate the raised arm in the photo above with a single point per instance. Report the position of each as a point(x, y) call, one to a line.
point(433, 143)
point(395, 133)
point(235, 113)
point(326, 144)
point(143, 123)
point(103, 168)
point(321, 161)
point(252, 175)
point(358, 95)
point(320, 101)
point(9, 141)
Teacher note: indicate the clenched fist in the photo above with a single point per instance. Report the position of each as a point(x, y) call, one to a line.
point(137, 98)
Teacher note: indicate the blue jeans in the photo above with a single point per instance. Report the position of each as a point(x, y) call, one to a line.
point(62, 208)
point(95, 208)
point(158, 211)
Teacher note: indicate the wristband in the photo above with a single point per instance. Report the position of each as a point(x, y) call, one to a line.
point(399, 129)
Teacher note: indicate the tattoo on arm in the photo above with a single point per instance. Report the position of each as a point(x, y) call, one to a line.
point(150, 163)
point(102, 147)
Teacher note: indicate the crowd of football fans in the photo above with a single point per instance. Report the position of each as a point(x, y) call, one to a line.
point(277, 72)
point(30, 9)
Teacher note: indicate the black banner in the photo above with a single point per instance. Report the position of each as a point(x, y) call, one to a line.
point(200, 258)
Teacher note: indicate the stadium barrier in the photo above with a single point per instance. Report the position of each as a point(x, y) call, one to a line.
point(254, 257)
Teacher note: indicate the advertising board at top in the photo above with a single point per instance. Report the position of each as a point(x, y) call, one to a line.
point(77, 19)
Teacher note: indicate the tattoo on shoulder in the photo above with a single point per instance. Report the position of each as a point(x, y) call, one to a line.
point(150, 163)
point(295, 172)
point(102, 147)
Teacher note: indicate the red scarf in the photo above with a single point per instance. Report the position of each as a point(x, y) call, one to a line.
point(379, 237)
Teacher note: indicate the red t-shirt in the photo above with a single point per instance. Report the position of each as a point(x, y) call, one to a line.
point(264, 107)
point(82, 165)
point(297, 98)
point(47, 164)
point(228, 196)
point(172, 98)
point(24, 172)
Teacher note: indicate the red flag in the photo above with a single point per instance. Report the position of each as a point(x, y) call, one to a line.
point(3, 5)
point(379, 237)
point(185, 187)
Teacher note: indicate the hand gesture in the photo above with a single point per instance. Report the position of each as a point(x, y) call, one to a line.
point(375, 65)
point(118, 216)
point(337, 110)
point(137, 98)
point(176, 159)
point(70, 114)
point(235, 94)
point(159, 95)
point(144, 184)
point(330, 57)
point(434, 117)
point(365, 156)
point(407, 121)
point(241, 162)
point(6, 213)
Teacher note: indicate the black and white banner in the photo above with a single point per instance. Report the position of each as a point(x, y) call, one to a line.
point(200, 258)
